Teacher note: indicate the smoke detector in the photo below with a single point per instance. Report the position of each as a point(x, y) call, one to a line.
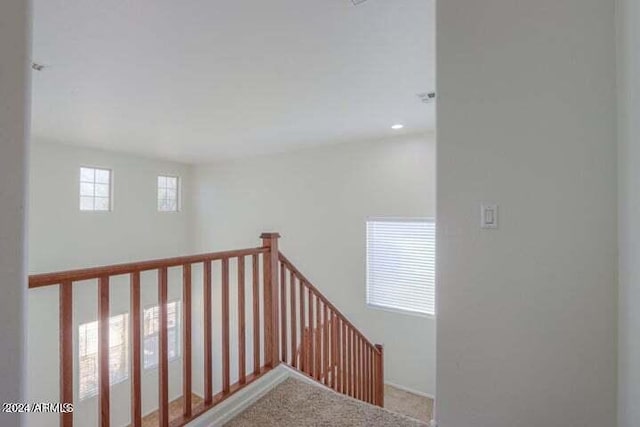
point(427, 97)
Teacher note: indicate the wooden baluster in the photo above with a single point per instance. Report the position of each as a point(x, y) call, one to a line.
point(347, 366)
point(306, 342)
point(136, 365)
point(186, 339)
point(66, 350)
point(318, 337)
point(360, 368)
point(208, 357)
point(356, 369)
point(367, 376)
point(266, 305)
point(349, 362)
point(380, 375)
point(343, 361)
point(365, 372)
point(271, 332)
point(374, 383)
point(325, 344)
point(294, 319)
point(242, 356)
point(334, 351)
point(361, 362)
point(163, 372)
point(354, 362)
point(103, 349)
point(373, 375)
point(356, 373)
point(311, 353)
point(225, 326)
point(283, 314)
point(303, 352)
point(371, 372)
point(365, 354)
point(256, 315)
point(337, 354)
point(374, 358)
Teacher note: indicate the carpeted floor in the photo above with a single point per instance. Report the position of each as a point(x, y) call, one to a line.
point(175, 411)
point(295, 403)
point(409, 404)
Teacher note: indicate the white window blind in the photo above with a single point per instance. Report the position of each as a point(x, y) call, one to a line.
point(88, 361)
point(152, 333)
point(401, 255)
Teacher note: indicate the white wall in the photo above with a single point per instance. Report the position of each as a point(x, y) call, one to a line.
point(629, 212)
point(526, 119)
point(61, 237)
point(14, 119)
point(318, 199)
point(134, 228)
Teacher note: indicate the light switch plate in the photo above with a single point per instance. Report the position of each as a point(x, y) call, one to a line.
point(488, 215)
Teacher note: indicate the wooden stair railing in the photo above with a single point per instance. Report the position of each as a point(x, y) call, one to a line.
point(332, 350)
point(298, 324)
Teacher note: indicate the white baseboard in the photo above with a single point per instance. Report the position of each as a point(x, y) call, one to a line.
point(409, 390)
point(235, 404)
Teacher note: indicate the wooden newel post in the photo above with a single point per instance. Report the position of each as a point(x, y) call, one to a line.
point(380, 379)
point(271, 312)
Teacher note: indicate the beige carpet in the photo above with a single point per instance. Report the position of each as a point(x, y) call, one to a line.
point(175, 411)
point(295, 403)
point(409, 404)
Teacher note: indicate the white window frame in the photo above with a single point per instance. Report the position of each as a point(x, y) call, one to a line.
point(430, 310)
point(177, 328)
point(178, 193)
point(126, 364)
point(94, 183)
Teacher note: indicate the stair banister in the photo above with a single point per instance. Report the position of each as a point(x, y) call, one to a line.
point(305, 330)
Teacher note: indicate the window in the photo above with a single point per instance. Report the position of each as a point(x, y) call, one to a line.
point(152, 329)
point(168, 193)
point(95, 189)
point(401, 265)
point(88, 354)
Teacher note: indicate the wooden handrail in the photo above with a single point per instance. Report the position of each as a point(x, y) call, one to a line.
point(332, 351)
point(48, 279)
point(329, 348)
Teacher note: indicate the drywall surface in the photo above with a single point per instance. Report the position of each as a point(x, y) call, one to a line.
point(319, 200)
point(629, 213)
point(526, 119)
point(62, 237)
point(14, 119)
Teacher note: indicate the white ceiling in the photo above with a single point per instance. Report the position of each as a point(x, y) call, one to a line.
point(197, 80)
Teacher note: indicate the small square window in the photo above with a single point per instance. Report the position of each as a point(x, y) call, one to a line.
point(168, 200)
point(95, 189)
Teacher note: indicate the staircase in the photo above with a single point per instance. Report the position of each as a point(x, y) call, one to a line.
point(273, 311)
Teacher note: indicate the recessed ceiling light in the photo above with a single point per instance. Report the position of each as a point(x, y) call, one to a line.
point(397, 126)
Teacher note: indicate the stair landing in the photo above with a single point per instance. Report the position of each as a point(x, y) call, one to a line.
point(298, 403)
